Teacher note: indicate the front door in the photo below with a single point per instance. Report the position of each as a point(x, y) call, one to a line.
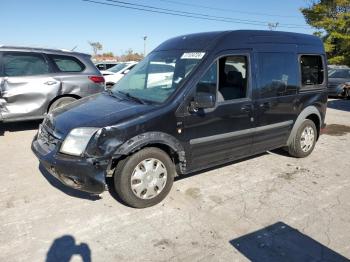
point(224, 132)
point(25, 86)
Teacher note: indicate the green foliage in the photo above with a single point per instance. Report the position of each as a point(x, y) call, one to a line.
point(331, 18)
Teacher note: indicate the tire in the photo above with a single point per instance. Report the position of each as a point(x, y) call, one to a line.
point(61, 102)
point(145, 178)
point(304, 141)
point(109, 84)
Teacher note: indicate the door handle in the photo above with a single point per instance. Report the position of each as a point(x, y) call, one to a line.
point(50, 83)
point(265, 105)
point(246, 108)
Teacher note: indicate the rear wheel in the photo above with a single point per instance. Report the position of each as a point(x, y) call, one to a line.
point(109, 85)
point(145, 178)
point(304, 140)
point(61, 102)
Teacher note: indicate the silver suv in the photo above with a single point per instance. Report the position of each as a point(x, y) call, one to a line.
point(35, 81)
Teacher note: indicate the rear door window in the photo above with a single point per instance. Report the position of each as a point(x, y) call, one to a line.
point(24, 64)
point(277, 74)
point(67, 63)
point(312, 71)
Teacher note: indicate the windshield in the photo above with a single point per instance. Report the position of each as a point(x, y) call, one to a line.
point(118, 67)
point(157, 76)
point(343, 73)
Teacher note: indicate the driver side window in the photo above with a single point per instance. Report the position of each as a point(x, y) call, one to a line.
point(226, 79)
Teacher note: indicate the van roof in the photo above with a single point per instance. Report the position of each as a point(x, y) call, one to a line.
point(241, 39)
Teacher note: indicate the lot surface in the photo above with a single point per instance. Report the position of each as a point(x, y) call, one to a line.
point(268, 208)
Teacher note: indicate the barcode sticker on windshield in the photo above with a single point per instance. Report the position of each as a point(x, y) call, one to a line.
point(194, 55)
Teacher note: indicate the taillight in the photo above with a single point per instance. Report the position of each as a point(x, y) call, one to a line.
point(97, 79)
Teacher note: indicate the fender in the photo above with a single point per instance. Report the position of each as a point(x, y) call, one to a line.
point(302, 116)
point(148, 138)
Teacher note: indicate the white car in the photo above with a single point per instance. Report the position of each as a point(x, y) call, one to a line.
point(115, 73)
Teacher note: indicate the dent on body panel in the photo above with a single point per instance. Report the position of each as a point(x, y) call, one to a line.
point(28, 97)
point(71, 85)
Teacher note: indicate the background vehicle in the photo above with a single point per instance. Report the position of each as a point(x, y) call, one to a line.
point(231, 94)
point(35, 81)
point(105, 65)
point(115, 73)
point(336, 80)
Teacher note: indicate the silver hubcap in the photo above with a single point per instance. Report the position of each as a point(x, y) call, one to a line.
point(148, 178)
point(307, 138)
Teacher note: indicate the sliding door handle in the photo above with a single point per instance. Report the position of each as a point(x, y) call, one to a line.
point(246, 108)
point(265, 105)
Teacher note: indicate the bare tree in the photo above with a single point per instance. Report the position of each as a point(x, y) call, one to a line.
point(96, 46)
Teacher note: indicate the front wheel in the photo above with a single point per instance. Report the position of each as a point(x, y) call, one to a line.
point(304, 141)
point(145, 178)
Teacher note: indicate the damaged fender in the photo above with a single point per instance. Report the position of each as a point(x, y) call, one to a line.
point(108, 147)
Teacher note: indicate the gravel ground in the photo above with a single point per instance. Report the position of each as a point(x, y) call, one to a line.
point(267, 208)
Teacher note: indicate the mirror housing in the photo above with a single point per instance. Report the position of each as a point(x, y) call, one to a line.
point(202, 100)
point(126, 71)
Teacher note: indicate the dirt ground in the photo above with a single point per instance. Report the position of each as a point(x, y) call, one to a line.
point(271, 207)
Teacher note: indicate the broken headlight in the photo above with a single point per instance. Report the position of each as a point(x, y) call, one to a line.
point(77, 140)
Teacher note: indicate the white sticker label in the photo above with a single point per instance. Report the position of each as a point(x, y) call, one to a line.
point(194, 55)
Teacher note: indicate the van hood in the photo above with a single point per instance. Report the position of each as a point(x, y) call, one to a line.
point(99, 110)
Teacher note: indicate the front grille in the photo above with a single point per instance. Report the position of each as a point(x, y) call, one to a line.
point(48, 123)
point(46, 140)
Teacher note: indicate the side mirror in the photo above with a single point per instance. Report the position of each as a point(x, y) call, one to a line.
point(126, 71)
point(202, 100)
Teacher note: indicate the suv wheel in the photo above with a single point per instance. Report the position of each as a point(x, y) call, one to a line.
point(145, 178)
point(61, 102)
point(304, 141)
point(109, 85)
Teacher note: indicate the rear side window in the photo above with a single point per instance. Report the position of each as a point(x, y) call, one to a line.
point(312, 71)
point(67, 63)
point(24, 64)
point(277, 74)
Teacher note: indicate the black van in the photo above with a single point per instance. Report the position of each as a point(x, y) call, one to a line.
point(196, 101)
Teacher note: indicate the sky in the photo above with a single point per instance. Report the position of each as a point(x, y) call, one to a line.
point(66, 24)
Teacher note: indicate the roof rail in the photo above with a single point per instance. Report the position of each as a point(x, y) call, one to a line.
point(39, 49)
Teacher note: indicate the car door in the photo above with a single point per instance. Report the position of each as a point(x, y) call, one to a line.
point(27, 88)
point(276, 100)
point(224, 132)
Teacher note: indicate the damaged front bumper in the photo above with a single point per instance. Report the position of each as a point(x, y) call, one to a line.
point(80, 173)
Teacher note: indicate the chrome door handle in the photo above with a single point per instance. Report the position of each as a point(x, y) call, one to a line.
point(50, 83)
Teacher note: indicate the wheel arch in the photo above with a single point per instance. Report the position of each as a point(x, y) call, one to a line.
point(61, 96)
point(310, 112)
point(163, 141)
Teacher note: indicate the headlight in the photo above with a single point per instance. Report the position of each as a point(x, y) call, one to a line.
point(77, 140)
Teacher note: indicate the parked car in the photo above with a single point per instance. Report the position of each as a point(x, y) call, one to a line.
point(105, 65)
point(233, 94)
point(336, 80)
point(34, 81)
point(115, 73)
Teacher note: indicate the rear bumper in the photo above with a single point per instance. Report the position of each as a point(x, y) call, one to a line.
point(78, 173)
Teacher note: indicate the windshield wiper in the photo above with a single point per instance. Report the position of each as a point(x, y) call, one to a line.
point(139, 100)
point(111, 93)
